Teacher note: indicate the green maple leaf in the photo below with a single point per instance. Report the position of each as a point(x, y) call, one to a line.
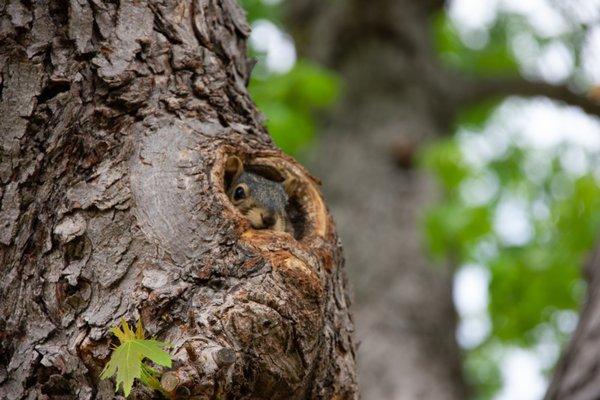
point(127, 360)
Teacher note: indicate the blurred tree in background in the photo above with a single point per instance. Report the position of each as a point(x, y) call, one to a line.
point(533, 268)
point(526, 209)
point(521, 211)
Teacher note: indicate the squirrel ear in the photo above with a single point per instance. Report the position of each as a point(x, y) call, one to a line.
point(233, 169)
point(291, 185)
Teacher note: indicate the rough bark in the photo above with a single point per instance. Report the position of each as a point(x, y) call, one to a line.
point(577, 374)
point(116, 121)
point(394, 101)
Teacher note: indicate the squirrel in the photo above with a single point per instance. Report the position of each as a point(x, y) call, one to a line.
point(262, 201)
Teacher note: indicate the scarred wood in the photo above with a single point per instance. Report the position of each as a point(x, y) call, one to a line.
point(117, 119)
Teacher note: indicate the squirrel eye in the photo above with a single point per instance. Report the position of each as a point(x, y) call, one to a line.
point(239, 193)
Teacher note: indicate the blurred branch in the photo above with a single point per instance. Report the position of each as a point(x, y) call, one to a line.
point(474, 90)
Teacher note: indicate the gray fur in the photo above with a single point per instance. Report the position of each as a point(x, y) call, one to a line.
point(267, 193)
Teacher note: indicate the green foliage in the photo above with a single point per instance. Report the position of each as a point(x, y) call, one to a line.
point(532, 282)
point(451, 228)
point(482, 370)
point(127, 359)
point(259, 9)
point(529, 281)
point(446, 160)
point(526, 279)
point(494, 58)
point(476, 116)
point(290, 100)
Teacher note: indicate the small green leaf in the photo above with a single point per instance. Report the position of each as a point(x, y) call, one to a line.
point(127, 359)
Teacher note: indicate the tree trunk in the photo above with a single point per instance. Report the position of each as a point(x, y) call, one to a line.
point(577, 375)
point(393, 104)
point(117, 119)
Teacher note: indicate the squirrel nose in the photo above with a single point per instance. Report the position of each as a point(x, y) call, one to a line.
point(268, 220)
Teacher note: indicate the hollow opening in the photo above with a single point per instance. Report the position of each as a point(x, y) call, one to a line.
point(297, 217)
point(265, 185)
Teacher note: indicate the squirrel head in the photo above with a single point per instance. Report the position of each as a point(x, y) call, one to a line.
point(262, 201)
